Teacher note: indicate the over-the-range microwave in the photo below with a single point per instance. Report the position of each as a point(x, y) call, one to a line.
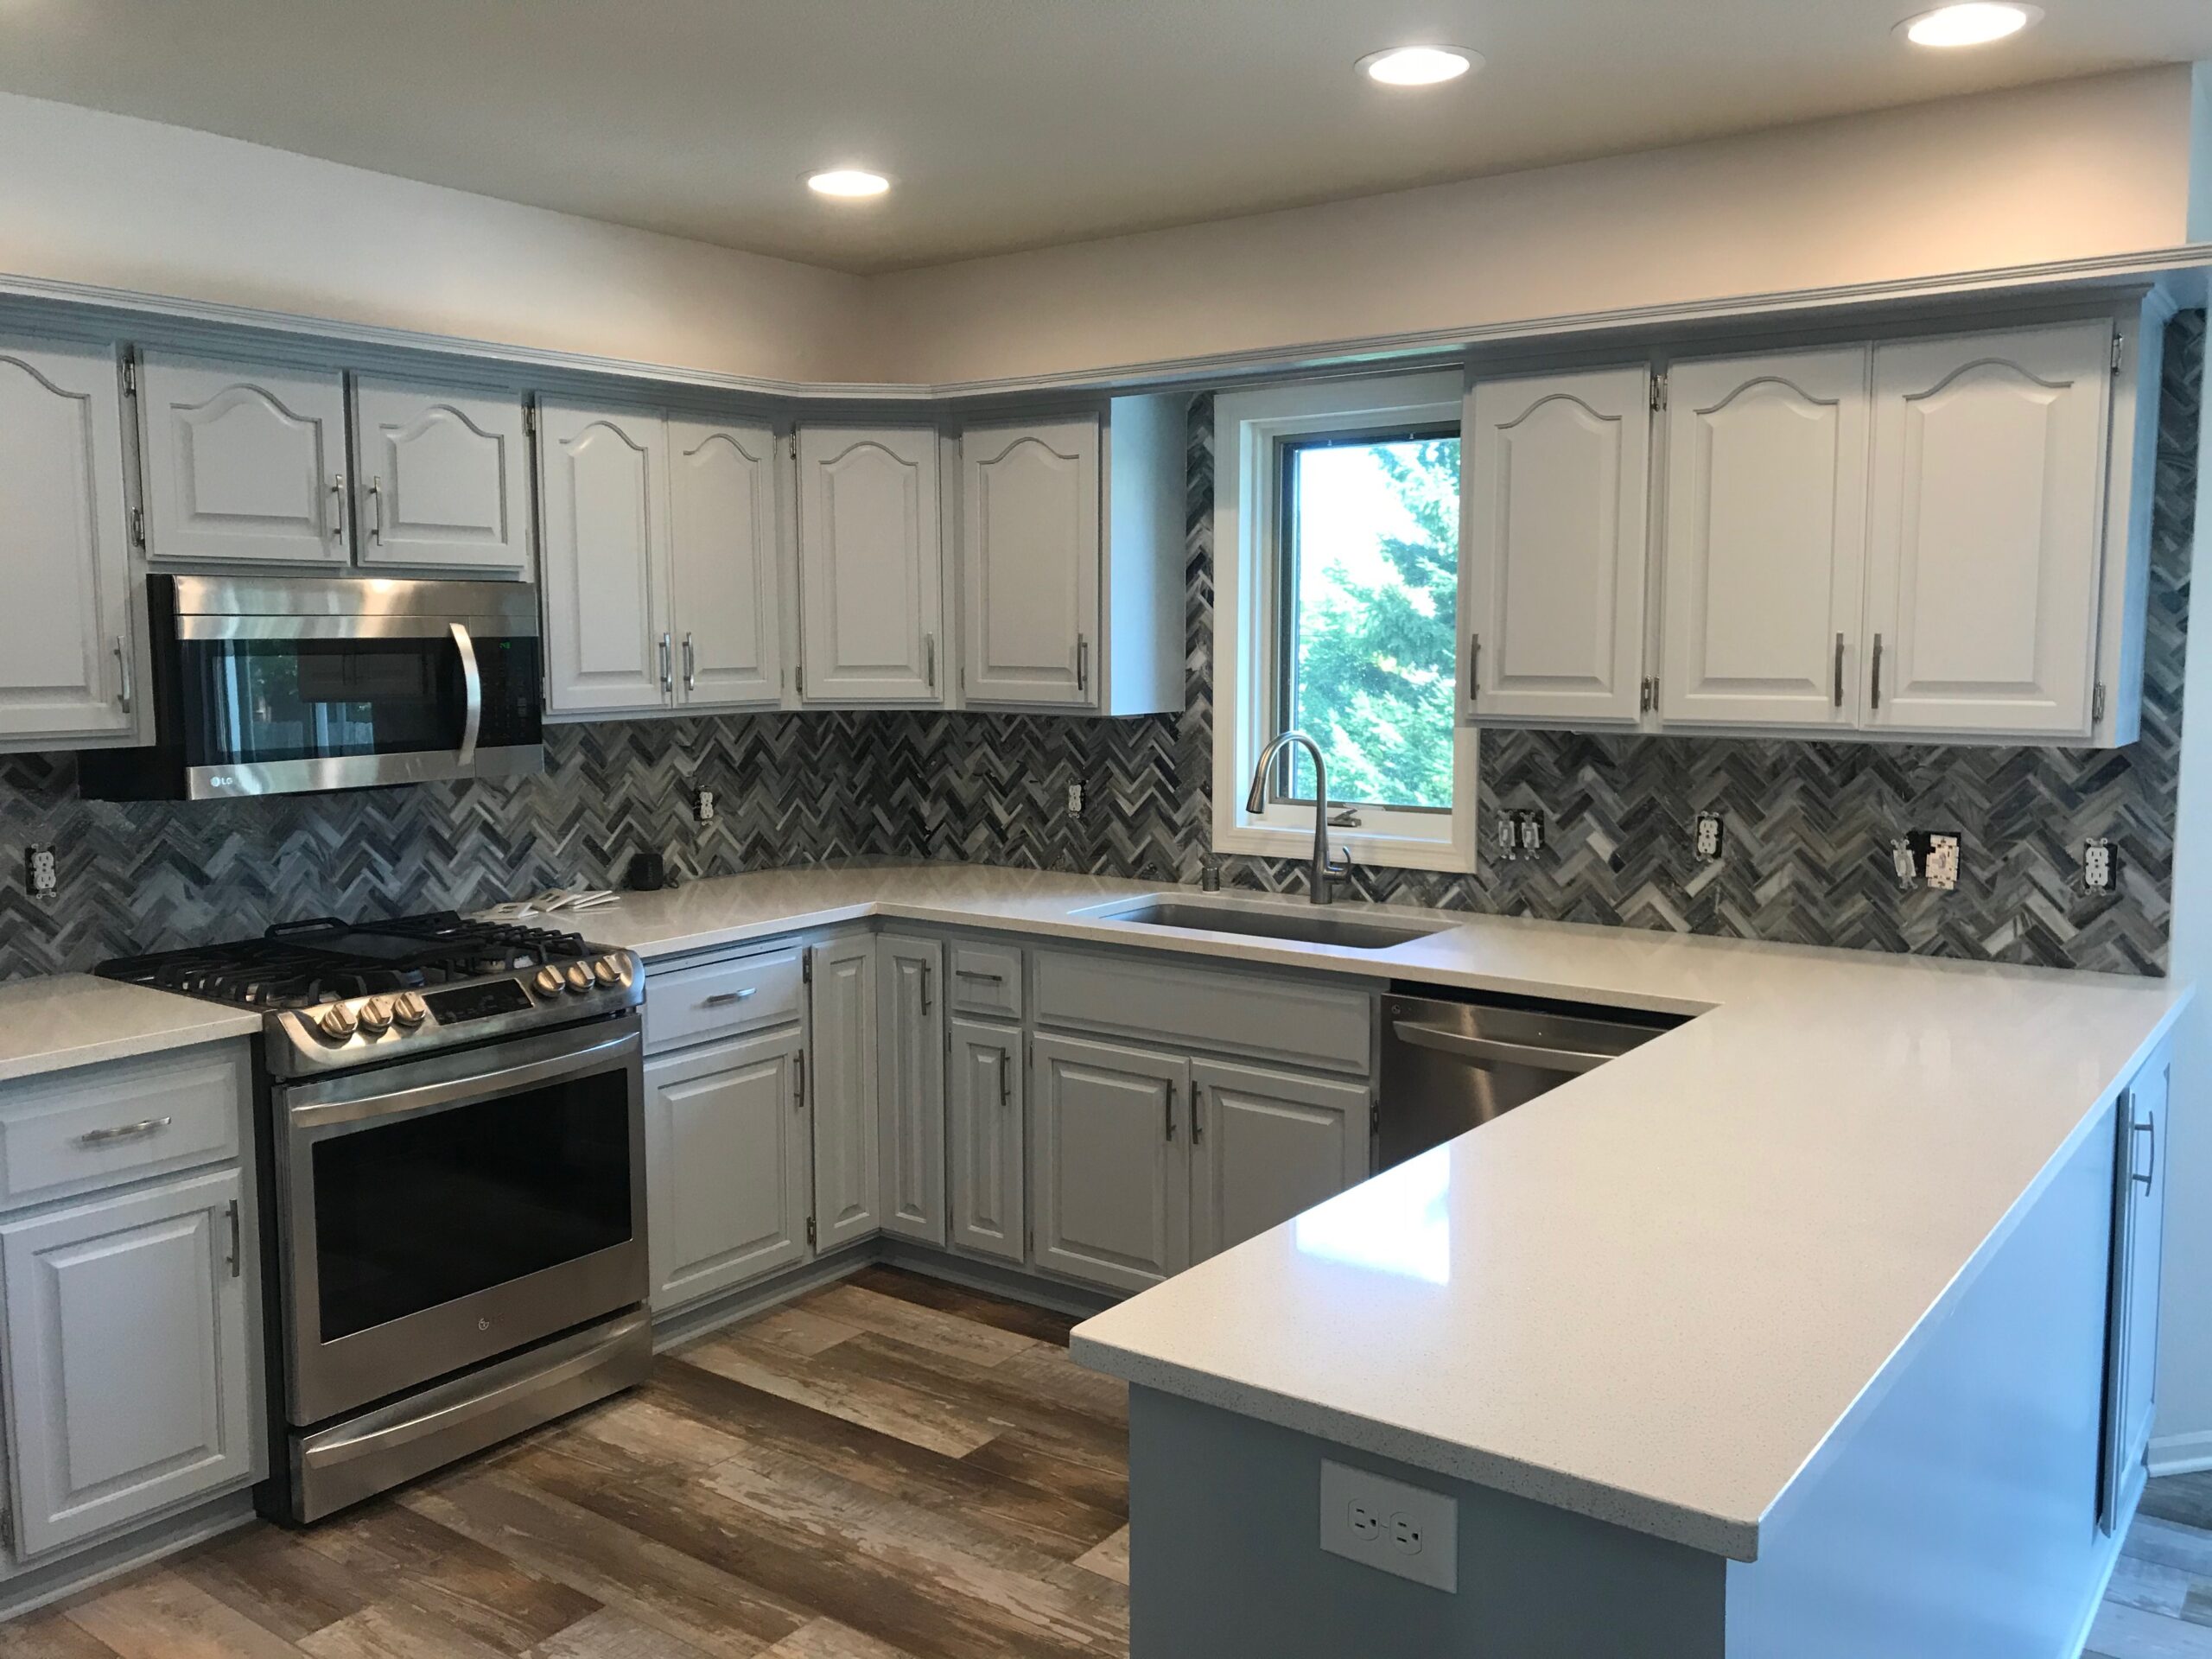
point(282, 685)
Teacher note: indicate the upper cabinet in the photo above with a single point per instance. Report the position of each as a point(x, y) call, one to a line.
point(443, 479)
point(1029, 514)
point(243, 464)
point(67, 649)
point(870, 565)
point(1765, 538)
point(727, 578)
point(1933, 538)
point(1987, 505)
point(1553, 506)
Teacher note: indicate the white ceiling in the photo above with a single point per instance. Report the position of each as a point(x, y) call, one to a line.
point(1007, 123)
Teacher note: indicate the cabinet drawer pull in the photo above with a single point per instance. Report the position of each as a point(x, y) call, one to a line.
point(145, 1126)
point(723, 999)
point(234, 1264)
point(1839, 671)
point(992, 974)
point(2150, 1127)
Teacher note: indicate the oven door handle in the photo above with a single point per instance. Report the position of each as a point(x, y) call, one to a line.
point(399, 1102)
point(472, 683)
point(1488, 1050)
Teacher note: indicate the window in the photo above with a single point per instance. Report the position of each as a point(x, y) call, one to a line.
point(1337, 528)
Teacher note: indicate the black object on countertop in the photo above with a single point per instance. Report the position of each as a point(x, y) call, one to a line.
point(648, 874)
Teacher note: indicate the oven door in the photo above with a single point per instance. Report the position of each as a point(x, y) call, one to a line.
point(437, 1213)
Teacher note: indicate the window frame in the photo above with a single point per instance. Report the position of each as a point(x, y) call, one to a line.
point(1252, 430)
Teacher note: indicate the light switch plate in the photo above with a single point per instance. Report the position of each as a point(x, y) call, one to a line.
point(1389, 1525)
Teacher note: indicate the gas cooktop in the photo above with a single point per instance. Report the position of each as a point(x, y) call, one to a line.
point(343, 994)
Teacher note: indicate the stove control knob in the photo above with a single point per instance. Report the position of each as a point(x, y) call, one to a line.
point(578, 977)
point(337, 1022)
point(607, 970)
point(410, 1009)
point(377, 1015)
point(546, 982)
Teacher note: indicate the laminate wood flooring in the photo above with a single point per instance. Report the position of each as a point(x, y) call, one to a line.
point(890, 1468)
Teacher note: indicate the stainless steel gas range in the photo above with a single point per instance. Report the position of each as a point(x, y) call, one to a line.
point(451, 1144)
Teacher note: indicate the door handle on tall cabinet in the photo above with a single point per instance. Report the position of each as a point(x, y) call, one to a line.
point(1877, 700)
point(1474, 666)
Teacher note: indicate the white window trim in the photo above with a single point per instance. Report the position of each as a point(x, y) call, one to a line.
point(1248, 427)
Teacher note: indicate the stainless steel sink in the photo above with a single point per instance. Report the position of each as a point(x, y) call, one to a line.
point(1314, 925)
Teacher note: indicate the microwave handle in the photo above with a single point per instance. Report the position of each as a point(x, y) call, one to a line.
point(472, 683)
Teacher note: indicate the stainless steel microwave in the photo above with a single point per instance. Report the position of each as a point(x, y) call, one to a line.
point(279, 685)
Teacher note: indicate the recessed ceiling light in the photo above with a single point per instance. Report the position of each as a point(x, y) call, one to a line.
point(847, 181)
point(1420, 65)
point(1972, 23)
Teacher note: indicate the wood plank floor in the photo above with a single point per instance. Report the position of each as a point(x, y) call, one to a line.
point(890, 1468)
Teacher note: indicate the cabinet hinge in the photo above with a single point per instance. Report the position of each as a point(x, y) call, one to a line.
point(1650, 697)
point(530, 416)
point(2097, 701)
point(2119, 342)
point(1374, 1117)
point(131, 374)
point(806, 967)
point(810, 1232)
point(138, 526)
point(1658, 392)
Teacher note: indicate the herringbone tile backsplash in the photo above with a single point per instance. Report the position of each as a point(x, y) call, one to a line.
point(1809, 823)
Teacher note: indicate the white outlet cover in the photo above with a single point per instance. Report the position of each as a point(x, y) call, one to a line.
point(1391, 1526)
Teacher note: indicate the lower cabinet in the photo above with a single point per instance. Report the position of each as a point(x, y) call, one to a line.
point(128, 1356)
point(2131, 1312)
point(983, 1138)
point(727, 1164)
point(844, 1062)
point(910, 1028)
point(1266, 1145)
point(1111, 1179)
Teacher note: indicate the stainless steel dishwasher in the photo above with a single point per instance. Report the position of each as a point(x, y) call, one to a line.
point(1452, 1061)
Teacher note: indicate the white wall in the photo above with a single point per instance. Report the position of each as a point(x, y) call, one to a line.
point(103, 199)
point(2068, 170)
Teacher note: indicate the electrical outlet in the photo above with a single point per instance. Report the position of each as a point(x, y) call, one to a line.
point(1709, 838)
point(1938, 868)
point(1391, 1526)
point(1075, 800)
point(42, 874)
point(1508, 834)
point(1532, 828)
point(706, 805)
point(2100, 866)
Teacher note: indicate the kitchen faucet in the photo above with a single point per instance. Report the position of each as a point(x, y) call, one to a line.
point(1323, 867)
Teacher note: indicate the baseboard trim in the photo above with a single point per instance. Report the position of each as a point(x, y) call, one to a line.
point(1015, 1284)
point(36, 1586)
point(2180, 1454)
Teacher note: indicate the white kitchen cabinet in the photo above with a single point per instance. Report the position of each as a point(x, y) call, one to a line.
point(604, 490)
point(69, 654)
point(1110, 1180)
point(1987, 531)
point(1764, 554)
point(871, 565)
point(1556, 471)
point(985, 1108)
point(1030, 537)
point(842, 1081)
point(727, 1165)
point(128, 1357)
point(910, 981)
point(441, 476)
point(2131, 1317)
point(726, 578)
point(242, 463)
point(1267, 1145)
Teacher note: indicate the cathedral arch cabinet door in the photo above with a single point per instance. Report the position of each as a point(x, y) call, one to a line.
point(1987, 531)
point(871, 572)
point(1030, 532)
point(242, 463)
point(1553, 505)
point(69, 650)
point(442, 479)
point(127, 1356)
point(726, 581)
point(610, 646)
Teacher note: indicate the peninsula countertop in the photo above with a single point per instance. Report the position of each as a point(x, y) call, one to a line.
point(1650, 1296)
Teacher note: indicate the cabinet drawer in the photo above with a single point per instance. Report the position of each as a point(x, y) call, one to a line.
point(1158, 1000)
point(987, 980)
point(107, 1124)
point(691, 1004)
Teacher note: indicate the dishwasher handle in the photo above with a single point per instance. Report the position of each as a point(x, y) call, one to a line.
point(1488, 1050)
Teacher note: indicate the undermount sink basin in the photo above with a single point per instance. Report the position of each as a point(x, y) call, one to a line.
point(1314, 925)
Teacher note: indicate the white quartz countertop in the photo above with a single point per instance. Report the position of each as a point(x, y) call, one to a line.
point(1651, 1296)
point(71, 1020)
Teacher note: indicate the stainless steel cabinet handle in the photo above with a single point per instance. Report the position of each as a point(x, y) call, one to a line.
point(1839, 671)
point(376, 509)
point(926, 988)
point(472, 690)
point(2150, 1127)
point(1083, 662)
point(337, 506)
point(667, 664)
point(929, 659)
point(236, 1253)
point(723, 999)
point(1474, 666)
point(798, 1071)
point(1170, 1111)
point(1488, 1050)
point(995, 977)
point(1198, 1113)
point(1005, 1079)
point(690, 667)
point(125, 686)
point(1877, 671)
point(145, 1126)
